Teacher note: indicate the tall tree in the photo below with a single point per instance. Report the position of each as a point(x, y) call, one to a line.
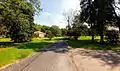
point(101, 13)
point(36, 5)
point(17, 16)
point(87, 15)
point(78, 28)
point(3, 30)
point(69, 16)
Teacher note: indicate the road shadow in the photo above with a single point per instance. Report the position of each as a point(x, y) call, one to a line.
point(57, 47)
point(6, 44)
point(87, 44)
point(107, 53)
point(36, 46)
point(110, 57)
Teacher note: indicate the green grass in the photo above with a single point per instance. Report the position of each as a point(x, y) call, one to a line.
point(88, 37)
point(5, 39)
point(11, 52)
point(85, 42)
point(35, 44)
point(8, 55)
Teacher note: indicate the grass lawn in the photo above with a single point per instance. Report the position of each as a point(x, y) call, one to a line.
point(89, 37)
point(9, 53)
point(5, 39)
point(85, 42)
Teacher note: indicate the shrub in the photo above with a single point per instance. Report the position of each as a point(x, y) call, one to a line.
point(49, 34)
point(112, 37)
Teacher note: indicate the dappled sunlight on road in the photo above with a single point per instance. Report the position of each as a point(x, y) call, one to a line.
point(97, 60)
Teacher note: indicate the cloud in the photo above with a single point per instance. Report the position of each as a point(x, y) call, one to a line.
point(70, 4)
point(59, 21)
point(51, 19)
point(57, 18)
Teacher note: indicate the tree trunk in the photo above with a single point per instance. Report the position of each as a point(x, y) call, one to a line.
point(93, 37)
point(119, 30)
point(101, 38)
point(76, 37)
point(119, 27)
point(93, 34)
point(101, 34)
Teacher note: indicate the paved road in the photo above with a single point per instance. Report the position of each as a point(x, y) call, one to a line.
point(51, 59)
point(55, 58)
point(95, 60)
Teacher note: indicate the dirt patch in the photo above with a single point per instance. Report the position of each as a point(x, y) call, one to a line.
point(95, 60)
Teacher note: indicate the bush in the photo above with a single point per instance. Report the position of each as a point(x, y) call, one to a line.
point(112, 37)
point(49, 34)
point(21, 37)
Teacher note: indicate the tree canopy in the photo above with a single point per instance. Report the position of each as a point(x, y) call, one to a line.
point(55, 30)
point(17, 16)
point(78, 28)
point(98, 13)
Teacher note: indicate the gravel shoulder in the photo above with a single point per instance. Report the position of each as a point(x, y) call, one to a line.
point(95, 60)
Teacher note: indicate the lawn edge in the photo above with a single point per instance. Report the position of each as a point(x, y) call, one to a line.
point(17, 61)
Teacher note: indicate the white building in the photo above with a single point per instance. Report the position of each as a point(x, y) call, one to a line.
point(39, 34)
point(113, 28)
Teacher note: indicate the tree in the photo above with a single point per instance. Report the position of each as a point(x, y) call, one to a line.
point(98, 13)
point(49, 34)
point(78, 28)
point(112, 37)
point(17, 16)
point(69, 16)
point(37, 27)
point(45, 28)
point(55, 30)
point(64, 32)
point(36, 5)
point(88, 15)
point(3, 30)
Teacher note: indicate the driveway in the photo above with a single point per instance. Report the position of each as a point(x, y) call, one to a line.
point(51, 58)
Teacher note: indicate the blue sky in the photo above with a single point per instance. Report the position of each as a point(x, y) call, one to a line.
point(52, 13)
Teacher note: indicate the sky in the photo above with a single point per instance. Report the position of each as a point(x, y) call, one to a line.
point(53, 10)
